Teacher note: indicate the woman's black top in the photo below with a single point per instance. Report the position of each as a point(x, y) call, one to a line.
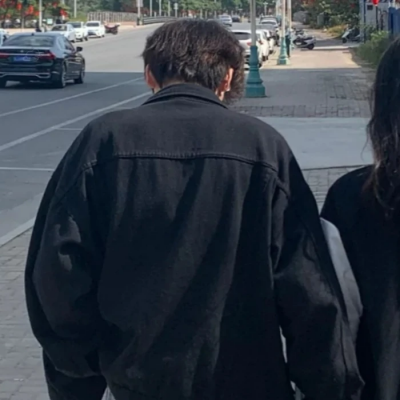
point(372, 243)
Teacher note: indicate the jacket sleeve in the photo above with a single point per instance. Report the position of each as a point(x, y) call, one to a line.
point(320, 353)
point(63, 263)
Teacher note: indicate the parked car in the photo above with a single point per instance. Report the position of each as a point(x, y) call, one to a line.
point(42, 57)
point(264, 44)
point(236, 18)
point(272, 20)
point(81, 31)
point(244, 38)
point(96, 29)
point(226, 20)
point(271, 38)
point(67, 30)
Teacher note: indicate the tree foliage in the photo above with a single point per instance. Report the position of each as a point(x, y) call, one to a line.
point(10, 9)
point(336, 12)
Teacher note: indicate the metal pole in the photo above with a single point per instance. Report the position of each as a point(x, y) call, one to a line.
point(138, 5)
point(169, 8)
point(289, 14)
point(283, 58)
point(254, 83)
point(40, 14)
point(75, 8)
point(253, 23)
point(265, 8)
point(160, 7)
point(151, 8)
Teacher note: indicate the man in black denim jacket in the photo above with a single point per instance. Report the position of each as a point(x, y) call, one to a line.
point(175, 240)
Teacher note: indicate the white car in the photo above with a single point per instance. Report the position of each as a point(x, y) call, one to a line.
point(96, 28)
point(66, 30)
point(271, 40)
point(244, 38)
point(269, 20)
point(264, 44)
point(81, 31)
point(225, 20)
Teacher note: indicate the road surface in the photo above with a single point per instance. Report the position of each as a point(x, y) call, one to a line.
point(39, 123)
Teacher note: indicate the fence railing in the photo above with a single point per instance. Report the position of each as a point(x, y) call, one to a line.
point(156, 20)
point(125, 17)
point(111, 16)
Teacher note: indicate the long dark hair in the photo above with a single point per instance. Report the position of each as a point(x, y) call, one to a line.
point(384, 132)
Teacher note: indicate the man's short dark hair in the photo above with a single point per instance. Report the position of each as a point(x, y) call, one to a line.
point(195, 51)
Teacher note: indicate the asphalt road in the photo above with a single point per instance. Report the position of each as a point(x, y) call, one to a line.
point(37, 123)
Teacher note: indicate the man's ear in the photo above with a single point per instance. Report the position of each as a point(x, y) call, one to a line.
point(150, 80)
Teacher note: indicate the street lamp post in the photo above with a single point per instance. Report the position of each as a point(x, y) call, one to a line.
point(265, 8)
point(254, 83)
point(159, 7)
point(40, 14)
point(283, 57)
point(151, 8)
point(289, 17)
point(75, 8)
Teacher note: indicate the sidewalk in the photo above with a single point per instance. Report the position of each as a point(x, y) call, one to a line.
point(319, 104)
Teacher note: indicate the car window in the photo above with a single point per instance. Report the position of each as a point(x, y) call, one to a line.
point(93, 24)
point(76, 24)
point(242, 35)
point(30, 41)
point(68, 45)
point(59, 28)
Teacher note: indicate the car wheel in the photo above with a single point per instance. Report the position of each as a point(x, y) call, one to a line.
point(86, 38)
point(3, 83)
point(61, 81)
point(81, 78)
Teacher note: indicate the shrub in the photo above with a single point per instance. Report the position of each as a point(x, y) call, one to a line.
point(337, 30)
point(372, 50)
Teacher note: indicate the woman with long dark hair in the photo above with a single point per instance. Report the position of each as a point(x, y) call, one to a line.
point(365, 207)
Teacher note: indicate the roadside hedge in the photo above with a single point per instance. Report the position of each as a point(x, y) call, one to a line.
point(372, 50)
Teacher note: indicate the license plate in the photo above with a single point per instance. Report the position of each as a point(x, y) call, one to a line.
point(23, 59)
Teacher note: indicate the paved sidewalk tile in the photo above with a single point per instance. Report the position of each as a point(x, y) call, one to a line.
point(322, 83)
point(21, 376)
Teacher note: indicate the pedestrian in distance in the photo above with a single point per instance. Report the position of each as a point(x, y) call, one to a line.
point(176, 240)
point(364, 205)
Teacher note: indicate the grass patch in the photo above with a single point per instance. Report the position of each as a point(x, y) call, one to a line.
point(372, 50)
point(336, 31)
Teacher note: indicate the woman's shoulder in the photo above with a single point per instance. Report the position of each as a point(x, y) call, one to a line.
point(344, 199)
point(352, 183)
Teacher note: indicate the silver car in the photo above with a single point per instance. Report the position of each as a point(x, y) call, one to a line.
point(225, 20)
point(244, 38)
point(66, 30)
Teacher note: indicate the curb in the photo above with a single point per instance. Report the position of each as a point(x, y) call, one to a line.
point(10, 236)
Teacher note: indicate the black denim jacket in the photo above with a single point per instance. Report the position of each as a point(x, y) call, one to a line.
point(172, 243)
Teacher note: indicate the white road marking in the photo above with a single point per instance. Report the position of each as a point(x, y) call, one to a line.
point(26, 169)
point(19, 230)
point(75, 96)
point(70, 129)
point(69, 122)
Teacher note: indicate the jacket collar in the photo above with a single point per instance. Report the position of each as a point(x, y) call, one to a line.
point(186, 90)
